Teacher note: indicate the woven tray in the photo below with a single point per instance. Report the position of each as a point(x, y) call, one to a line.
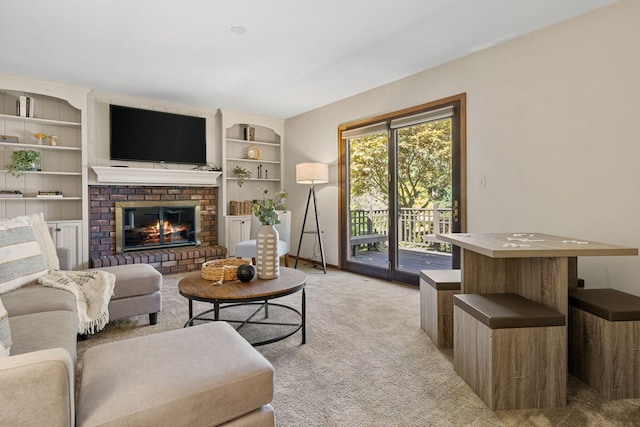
point(222, 270)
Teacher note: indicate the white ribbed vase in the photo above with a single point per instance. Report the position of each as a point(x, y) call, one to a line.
point(267, 262)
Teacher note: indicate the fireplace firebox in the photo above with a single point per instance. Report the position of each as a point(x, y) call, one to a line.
point(153, 224)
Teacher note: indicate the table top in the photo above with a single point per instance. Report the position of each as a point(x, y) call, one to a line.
point(193, 286)
point(532, 245)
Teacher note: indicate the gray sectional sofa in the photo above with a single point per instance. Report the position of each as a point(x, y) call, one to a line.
point(37, 381)
point(38, 376)
point(212, 367)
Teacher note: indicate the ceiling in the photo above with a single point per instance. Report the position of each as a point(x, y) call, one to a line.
point(296, 55)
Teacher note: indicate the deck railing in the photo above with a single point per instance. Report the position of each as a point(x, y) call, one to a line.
point(416, 227)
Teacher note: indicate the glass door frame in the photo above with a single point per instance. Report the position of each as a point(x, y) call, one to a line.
point(459, 223)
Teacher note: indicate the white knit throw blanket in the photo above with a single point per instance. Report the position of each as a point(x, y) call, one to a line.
point(93, 291)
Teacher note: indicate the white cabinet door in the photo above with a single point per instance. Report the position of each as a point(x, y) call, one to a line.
point(238, 230)
point(68, 234)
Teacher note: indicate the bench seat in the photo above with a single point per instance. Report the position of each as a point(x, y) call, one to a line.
point(604, 341)
point(366, 239)
point(510, 350)
point(437, 288)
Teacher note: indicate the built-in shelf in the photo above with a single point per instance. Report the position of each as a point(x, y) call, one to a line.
point(275, 162)
point(49, 173)
point(41, 121)
point(148, 176)
point(255, 179)
point(271, 144)
point(236, 153)
point(21, 146)
point(48, 199)
point(60, 110)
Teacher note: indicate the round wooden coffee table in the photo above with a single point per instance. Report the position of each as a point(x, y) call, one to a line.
point(257, 292)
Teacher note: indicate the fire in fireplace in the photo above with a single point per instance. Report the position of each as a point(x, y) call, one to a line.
point(145, 225)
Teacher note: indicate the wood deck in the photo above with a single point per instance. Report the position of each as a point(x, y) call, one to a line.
point(410, 260)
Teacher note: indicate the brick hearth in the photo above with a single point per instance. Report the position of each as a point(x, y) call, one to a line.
point(102, 228)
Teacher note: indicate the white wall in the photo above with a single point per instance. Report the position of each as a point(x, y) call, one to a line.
point(551, 123)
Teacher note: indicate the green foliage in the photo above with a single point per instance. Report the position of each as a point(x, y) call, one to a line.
point(368, 170)
point(242, 174)
point(424, 166)
point(23, 160)
point(267, 210)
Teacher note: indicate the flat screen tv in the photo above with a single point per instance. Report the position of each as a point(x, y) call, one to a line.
point(155, 136)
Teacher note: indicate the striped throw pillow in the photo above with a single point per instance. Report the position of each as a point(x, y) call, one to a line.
point(44, 239)
point(21, 259)
point(5, 332)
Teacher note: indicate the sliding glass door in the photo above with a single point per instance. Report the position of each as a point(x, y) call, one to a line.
point(401, 179)
point(368, 197)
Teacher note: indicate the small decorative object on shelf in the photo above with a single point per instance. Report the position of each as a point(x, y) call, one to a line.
point(240, 208)
point(44, 194)
point(41, 137)
point(25, 106)
point(209, 167)
point(213, 168)
point(10, 194)
point(253, 153)
point(24, 160)
point(52, 142)
point(266, 210)
point(250, 133)
point(7, 138)
point(242, 174)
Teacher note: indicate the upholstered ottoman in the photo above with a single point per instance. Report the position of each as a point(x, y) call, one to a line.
point(138, 291)
point(437, 288)
point(604, 341)
point(510, 350)
point(205, 375)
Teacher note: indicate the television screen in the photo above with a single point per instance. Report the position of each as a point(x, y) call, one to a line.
point(156, 136)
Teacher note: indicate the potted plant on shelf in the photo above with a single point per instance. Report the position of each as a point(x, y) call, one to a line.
point(24, 160)
point(242, 174)
point(267, 211)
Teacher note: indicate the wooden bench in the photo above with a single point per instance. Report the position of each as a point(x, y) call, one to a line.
point(604, 341)
point(366, 239)
point(510, 350)
point(437, 288)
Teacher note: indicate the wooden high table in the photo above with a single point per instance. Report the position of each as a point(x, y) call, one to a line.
point(539, 267)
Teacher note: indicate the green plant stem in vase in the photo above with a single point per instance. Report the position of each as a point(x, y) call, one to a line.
point(23, 160)
point(267, 210)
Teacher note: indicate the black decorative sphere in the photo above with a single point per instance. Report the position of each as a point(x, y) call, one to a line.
point(246, 272)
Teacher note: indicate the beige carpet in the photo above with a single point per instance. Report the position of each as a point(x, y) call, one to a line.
point(368, 363)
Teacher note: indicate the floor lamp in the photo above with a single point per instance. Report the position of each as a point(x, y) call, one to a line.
point(312, 173)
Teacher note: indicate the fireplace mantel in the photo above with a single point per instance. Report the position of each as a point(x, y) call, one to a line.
point(148, 176)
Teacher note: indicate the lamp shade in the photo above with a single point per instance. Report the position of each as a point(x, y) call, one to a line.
point(312, 173)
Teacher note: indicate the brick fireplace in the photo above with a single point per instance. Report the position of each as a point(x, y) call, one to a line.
point(102, 227)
